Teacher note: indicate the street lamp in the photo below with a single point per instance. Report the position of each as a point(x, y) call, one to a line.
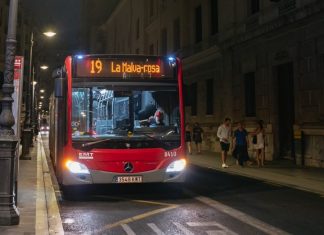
point(44, 67)
point(9, 214)
point(29, 121)
point(49, 34)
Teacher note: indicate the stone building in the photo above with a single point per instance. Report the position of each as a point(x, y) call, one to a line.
point(247, 59)
point(4, 6)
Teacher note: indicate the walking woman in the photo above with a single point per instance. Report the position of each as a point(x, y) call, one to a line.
point(258, 143)
point(188, 138)
point(198, 136)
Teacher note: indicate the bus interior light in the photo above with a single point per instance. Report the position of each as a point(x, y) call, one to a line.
point(177, 166)
point(76, 167)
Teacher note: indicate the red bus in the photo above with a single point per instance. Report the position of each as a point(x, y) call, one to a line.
point(118, 119)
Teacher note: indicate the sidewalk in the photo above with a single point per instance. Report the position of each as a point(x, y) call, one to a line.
point(283, 172)
point(37, 204)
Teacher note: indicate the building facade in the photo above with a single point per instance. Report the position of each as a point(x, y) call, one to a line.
point(247, 59)
point(4, 7)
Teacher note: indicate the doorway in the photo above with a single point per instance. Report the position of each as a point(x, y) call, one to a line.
point(286, 110)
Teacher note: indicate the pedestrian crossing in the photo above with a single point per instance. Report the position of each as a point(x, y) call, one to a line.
point(188, 228)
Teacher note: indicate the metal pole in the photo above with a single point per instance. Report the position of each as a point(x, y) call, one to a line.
point(28, 108)
point(27, 132)
point(32, 113)
point(9, 214)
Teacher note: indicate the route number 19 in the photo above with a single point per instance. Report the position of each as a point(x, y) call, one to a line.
point(96, 66)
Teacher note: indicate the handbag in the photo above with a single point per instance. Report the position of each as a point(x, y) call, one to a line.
point(254, 139)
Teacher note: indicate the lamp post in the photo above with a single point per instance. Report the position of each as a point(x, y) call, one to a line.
point(33, 113)
point(27, 131)
point(9, 214)
point(29, 117)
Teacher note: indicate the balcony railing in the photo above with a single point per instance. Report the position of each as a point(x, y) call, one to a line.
point(286, 6)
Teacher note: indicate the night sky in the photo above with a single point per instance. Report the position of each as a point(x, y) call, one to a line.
point(62, 16)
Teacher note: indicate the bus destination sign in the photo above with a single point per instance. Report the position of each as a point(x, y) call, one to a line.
point(130, 67)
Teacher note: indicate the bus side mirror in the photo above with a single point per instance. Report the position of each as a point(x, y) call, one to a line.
point(59, 87)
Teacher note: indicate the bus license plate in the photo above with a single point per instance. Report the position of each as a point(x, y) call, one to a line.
point(129, 179)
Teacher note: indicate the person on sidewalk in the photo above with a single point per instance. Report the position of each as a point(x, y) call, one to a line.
point(198, 136)
point(224, 133)
point(240, 144)
point(258, 137)
point(188, 138)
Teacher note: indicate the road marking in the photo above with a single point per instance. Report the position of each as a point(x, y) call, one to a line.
point(128, 230)
point(215, 232)
point(154, 203)
point(155, 229)
point(183, 228)
point(53, 214)
point(68, 221)
point(41, 223)
point(224, 230)
point(138, 201)
point(245, 218)
point(135, 218)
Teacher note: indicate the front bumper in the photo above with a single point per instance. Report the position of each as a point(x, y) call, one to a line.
point(102, 177)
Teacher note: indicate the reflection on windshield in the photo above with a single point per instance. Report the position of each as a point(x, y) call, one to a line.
point(101, 113)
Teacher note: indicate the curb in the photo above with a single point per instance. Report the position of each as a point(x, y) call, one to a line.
point(262, 178)
point(50, 203)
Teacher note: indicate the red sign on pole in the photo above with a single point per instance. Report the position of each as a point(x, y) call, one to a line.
point(17, 95)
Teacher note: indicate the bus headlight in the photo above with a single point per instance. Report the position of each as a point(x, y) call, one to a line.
point(177, 166)
point(76, 167)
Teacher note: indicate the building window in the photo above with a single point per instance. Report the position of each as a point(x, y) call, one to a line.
point(198, 25)
point(151, 49)
point(254, 6)
point(1, 12)
point(209, 97)
point(137, 28)
point(164, 41)
point(176, 34)
point(193, 98)
point(214, 16)
point(249, 87)
point(137, 51)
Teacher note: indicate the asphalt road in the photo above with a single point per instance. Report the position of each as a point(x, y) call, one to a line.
point(210, 202)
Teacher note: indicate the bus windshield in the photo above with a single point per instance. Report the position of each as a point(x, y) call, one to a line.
point(125, 113)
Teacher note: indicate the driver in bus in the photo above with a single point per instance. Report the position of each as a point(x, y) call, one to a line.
point(154, 121)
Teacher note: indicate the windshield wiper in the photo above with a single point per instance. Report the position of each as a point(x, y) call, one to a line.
point(164, 145)
point(168, 133)
point(94, 142)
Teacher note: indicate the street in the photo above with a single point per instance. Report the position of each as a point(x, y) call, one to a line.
point(210, 202)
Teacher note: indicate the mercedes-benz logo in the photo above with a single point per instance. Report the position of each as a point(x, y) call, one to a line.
point(128, 167)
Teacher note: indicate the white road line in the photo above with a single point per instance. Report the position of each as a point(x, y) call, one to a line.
point(183, 229)
point(155, 229)
point(245, 218)
point(224, 230)
point(215, 232)
point(128, 230)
